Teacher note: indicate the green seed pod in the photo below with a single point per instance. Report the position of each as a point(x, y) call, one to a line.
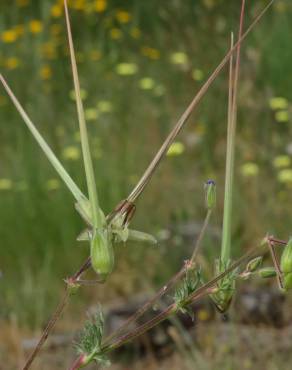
point(102, 254)
point(210, 194)
point(286, 265)
point(254, 264)
point(267, 272)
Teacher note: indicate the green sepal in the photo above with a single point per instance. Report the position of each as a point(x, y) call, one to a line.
point(188, 286)
point(287, 281)
point(254, 264)
point(267, 272)
point(286, 258)
point(139, 236)
point(286, 266)
point(225, 287)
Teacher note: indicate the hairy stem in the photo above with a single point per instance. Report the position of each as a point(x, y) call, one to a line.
point(169, 285)
point(50, 325)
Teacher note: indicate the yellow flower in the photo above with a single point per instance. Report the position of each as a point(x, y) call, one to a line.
point(91, 114)
point(176, 148)
point(150, 52)
point(56, 29)
point(95, 55)
point(3, 100)
point(282, 161)
point(135, 33)
point(116, 33)
point(126, 69)
point(197, 74)
point(209, 3)
point(71, 153)
point(78, 4)
point(278, 103)
point(83, 94)
point(147, 83)
point(53, 184)
point(100, 6)
point(285, 176)
point(159, 90)
point(35, 26)
point(57, 10)
point(46, 72)
point(123, 16)
point(5, 184)
point(60, 131)
point(22, 3)
point(281, 6)
point(19, 29)
point(249, 169)
point(9, 36)
point(12, 63)
point(282, 116)
point(179, 58)
point(104, 106)
point(49, 50)
point(80, 57)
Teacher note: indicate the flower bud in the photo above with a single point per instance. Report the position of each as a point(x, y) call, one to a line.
point(210, 194)
point(101, 253)
point(286, 265)
point(267, 272)
point(254, 264)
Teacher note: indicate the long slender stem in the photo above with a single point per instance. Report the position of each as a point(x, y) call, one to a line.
point(205, 289)
point(77, 193)
point(48, 329)
point(149, 171)
point(91, 185)
point(232, 115)
point(167, 287)
point(276, 264)
point(138, 189)
point(200, 237)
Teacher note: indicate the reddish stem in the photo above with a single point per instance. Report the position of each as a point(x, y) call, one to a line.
point(78, 363)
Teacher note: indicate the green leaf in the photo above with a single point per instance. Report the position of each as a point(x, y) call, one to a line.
point(97, 219)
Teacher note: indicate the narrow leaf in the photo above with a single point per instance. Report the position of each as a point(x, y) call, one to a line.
point(231, 131)
point(138, 189)
point(79, 196)
point(97, 218)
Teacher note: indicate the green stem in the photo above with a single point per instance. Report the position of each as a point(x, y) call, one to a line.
point(200, 237)
point(77, 193)
point(92, 192)
point(232, 115)
point(169, 285)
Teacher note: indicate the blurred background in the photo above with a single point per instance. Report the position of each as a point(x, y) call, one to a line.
point(140, 64)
